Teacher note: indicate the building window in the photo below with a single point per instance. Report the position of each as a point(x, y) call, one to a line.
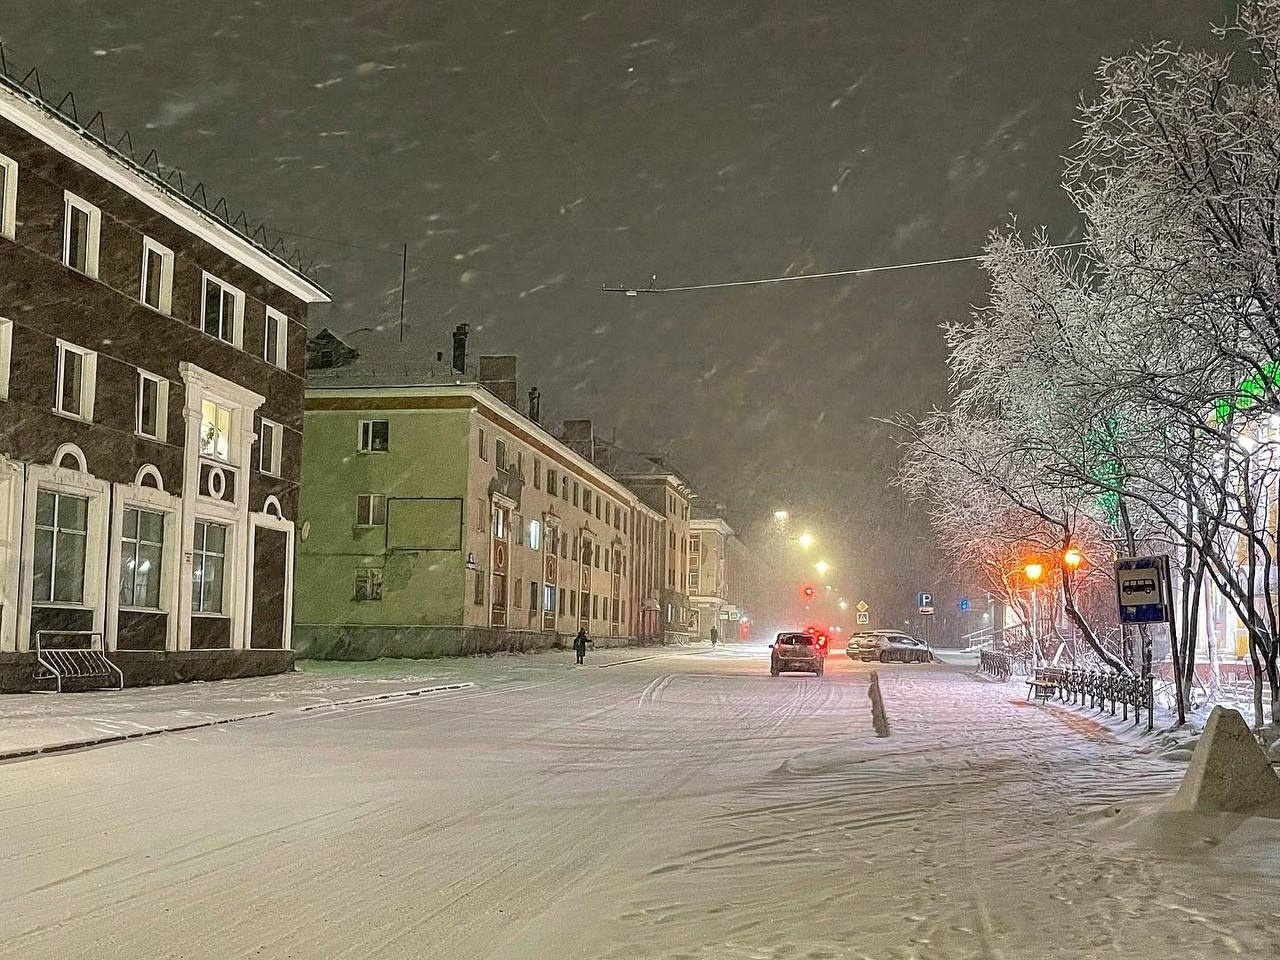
point(8, 197)
point(586, 552)
point(77, 374)
point(152, 408)
point(517, 524)
point(518, 599)
point(500, 454)
point(564, 488)
point(61, 535)
point(141, 556)
point(693, 581)
point(222, 310)
point(573, 603)
point(549, 597)
point(478, 597)
point(484, 445)
point(535, 535)
point(270, 447)
point(537, 474)
point(82, 224)
point(375, 436)
point(562, 594)
point(552, 482)
point(595, 605)
point(6, 355)
point(215, 430)
point(208, 567)
point(575, 493)
point(371, 510)
point(606, 561)
point(368, 584)
point(481, 514)
point(533, 596)
point(500, 524)
point(274, 343)
point(157, 276)
point(520, 463)
point(586, 500)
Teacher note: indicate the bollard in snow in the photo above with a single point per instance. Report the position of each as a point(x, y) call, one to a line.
point(878, 719)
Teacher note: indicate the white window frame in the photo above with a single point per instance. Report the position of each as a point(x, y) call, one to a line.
point(89, 371)
point(137, 541)
point(165, 305)
point(372, 581)
point(70, 201)
point(272, 469)
point(364, 442)
point(237, 321)
point(232, 416)
point(369, 506)
point(9, 201)
point(85, 571)
point(6, 355)
point(162, 406)
point(281, 338)
point(200, 555)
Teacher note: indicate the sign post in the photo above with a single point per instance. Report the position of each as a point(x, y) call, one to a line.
point(1143, 597)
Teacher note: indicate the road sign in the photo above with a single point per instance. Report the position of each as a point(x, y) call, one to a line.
point(925, 603)
point(862, 606)
point(1142, 589)
point(864, 618)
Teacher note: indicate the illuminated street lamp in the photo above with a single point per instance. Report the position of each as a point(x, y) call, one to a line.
point(1033, 571)
point(844, 604)
point(781, 516)
point(805, 540)
point(822, 567)
point(1072, 558)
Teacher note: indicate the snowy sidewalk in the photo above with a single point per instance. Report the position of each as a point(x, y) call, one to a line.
point(45, 723)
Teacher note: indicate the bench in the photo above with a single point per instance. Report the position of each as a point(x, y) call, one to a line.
point(1045, 685)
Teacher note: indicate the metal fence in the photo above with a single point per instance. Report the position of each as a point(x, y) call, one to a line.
point(1104, 689)
point(998, 665)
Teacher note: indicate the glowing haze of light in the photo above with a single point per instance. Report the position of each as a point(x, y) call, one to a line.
point(805, 540)
point(822, 567)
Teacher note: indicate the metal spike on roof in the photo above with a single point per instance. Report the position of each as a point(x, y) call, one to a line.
point(151, 168)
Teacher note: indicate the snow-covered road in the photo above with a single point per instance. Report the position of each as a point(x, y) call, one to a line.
point(681, 807)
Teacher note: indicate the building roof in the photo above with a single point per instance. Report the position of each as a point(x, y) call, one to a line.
point(113, 156)
point(629, 465)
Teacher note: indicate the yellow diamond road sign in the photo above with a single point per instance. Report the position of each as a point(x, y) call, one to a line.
point(863, 606)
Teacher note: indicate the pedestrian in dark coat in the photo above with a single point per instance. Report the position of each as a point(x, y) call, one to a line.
point(580, 645)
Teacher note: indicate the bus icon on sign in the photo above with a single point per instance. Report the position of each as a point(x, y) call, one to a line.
point(1144, 588)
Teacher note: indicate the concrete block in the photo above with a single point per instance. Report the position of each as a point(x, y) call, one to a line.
point(1229, 771)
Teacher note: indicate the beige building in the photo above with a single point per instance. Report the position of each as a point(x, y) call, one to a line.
point(708, 578)
point(440, 519)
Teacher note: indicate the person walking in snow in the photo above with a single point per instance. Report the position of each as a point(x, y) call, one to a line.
point(715, 636)
point(580, 644)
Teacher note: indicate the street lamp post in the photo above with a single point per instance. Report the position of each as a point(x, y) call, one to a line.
point(1034, 571)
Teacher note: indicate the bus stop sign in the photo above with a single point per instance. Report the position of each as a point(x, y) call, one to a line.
point(1142, 589)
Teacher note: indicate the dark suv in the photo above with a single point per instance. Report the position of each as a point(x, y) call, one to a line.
point(796, 653)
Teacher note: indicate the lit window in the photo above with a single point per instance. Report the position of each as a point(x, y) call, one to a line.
point(274, 343)
point(153, 401)
point(371, 510)
point(500, 523)
point(369, 584)
point(8, 197)
point(208, 567)
point(375, 436)
point(141, 555)
point(549, 597)
point(77, 374)
point(61, 535)
point(215, 430)
point(270, 447)
point(6, 355)
point(82, 224)
point(221, 310)
point(157, 276)
point(535, 535)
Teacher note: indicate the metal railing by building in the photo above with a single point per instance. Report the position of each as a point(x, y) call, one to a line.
point(998, 665)
point(63, 655)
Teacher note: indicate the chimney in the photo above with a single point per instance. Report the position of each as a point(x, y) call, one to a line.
point(580, 438)
point(535, 405)
point(498, 376)
point(460, 347)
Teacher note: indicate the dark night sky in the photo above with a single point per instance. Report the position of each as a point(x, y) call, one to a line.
point(528, 150)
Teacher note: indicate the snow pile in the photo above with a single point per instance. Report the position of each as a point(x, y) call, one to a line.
point(1229, 771)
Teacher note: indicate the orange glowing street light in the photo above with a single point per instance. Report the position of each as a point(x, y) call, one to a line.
point(1072, 558)
point(1033, 571)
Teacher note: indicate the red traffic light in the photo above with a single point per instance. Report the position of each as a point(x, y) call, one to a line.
point(808, 593)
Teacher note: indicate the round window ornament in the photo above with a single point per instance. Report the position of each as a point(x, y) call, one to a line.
point(217, 483)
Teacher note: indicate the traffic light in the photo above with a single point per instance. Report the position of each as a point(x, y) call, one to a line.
point(809, 593)
point(964, 603)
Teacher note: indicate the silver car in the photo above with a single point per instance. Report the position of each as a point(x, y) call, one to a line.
point(889, 646)
point(796, 653)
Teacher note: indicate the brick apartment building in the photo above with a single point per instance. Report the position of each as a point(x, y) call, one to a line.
point(151, 390)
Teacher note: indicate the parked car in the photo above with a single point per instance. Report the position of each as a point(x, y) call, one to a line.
point(796, 653)
point(889, 646)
